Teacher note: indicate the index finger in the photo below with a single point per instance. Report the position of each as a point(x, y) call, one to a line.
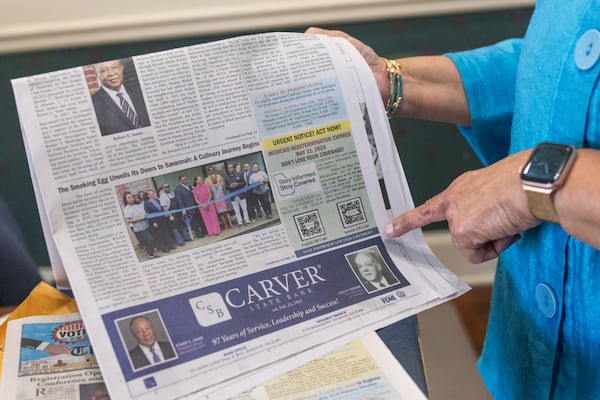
point(433, 210)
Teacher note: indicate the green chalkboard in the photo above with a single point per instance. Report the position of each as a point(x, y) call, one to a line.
point(433, 154)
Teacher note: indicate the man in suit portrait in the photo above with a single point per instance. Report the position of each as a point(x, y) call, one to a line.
point(372, 271)
point(118, 108)
point(148, 350)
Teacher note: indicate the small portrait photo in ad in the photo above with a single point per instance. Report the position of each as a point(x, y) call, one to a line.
point(371, 269)
point(146, 339)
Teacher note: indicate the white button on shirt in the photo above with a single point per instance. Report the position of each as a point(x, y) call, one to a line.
point(587, 50)
point(545, 299)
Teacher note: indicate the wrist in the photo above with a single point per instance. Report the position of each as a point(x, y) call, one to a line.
point(393, 104)
point(42, 346)
point(544, 174)
point(381, 78)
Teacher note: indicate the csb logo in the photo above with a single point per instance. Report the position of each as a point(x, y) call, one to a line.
point(210, 309)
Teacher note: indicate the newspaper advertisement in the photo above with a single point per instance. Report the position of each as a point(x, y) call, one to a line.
point(50, 357)
point(217, 210)
point(362, 369)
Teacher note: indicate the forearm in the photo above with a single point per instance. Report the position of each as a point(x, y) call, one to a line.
point(432, 87)
point(577, 203)
point(432, 90)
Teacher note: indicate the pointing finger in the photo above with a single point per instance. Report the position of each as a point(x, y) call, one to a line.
point(433, 210)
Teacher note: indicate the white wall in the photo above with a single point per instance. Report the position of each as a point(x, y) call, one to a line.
point(33, 24)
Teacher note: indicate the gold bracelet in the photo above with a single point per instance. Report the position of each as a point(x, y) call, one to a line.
point(394, 103)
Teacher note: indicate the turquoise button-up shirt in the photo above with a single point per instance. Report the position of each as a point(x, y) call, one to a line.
point(543, 87)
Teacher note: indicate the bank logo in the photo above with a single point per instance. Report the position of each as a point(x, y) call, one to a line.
point(210, 309)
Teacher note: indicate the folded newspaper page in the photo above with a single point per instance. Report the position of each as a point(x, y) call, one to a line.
point(362, 369)
point(42, 300)
point(217, 209)
point(50, 357)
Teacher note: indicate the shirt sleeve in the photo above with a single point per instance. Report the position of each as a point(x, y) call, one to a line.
point(489, 76)
point(164, 200)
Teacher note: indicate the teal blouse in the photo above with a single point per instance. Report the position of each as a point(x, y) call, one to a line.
point(543, 337)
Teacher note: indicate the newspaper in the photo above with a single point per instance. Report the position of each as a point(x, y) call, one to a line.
point(362, 369)
point(51, 357)
point(254, 275)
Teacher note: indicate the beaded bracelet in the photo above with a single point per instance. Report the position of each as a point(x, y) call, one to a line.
point(394, 103)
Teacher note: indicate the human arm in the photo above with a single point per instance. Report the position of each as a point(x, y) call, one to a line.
point(577, 203)
point(50, 348)
point(164, 202)
point(131, 220)
point(483, 219)
point(179, 199)
point(241, 181)
point(227, 182)
point(201, 195)
point(208, 198)
point(474, 89)
point(486, 209)
point(133, 215)
point(55, 349)
point(264, 178)
point(432, 86)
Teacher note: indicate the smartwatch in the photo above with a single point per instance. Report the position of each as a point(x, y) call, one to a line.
point(545, 172)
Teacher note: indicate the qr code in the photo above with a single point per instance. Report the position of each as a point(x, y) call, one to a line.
point(309, 225)
point(351, 212)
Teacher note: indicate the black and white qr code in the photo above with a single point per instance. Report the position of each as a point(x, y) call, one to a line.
point(351, 212)
point(309, 225)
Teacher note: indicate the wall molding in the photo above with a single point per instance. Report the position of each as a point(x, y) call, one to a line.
point(21, 30)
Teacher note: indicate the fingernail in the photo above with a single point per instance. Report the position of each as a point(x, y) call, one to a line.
point(388, 230)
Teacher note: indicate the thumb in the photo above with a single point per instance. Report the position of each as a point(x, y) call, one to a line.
point(433, 210)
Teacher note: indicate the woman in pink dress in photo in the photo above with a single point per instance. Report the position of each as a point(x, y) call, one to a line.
point(202, 194)
point(218, 192)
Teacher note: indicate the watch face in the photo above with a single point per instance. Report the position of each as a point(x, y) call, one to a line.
point(547, 163)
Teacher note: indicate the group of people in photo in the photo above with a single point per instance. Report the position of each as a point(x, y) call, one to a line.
point(163, 219)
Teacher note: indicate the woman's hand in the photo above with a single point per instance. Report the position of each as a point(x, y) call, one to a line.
point(373, 60)
point(486, 209)
point(432, 88)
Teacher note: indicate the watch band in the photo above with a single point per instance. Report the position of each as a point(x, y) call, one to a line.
point(540, 203)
